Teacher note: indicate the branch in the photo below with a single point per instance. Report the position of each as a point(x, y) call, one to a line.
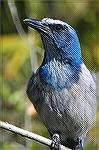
point(15, 17)
point(28, 134)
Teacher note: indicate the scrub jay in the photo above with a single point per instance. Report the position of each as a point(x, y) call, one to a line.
point(62, 90)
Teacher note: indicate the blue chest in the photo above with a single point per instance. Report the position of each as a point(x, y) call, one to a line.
point(57, 76)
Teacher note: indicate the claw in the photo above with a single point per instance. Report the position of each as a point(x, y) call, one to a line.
point(55, 142)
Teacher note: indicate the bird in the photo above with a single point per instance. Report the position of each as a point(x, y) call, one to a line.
point(62, 90)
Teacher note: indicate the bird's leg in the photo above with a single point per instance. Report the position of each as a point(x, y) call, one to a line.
point(80, 145)
point(55, 142)
point(81, 141)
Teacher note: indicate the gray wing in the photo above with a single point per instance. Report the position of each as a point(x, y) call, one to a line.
point(32, 85)
point(33, 90)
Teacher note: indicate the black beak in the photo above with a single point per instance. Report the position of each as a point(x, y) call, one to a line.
point(37, 24)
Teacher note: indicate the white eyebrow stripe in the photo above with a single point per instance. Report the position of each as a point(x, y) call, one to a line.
point(51, 21)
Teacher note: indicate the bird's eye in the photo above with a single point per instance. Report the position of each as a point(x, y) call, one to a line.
point(58, 27)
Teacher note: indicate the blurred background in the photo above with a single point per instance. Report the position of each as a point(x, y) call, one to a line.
point(21, 52)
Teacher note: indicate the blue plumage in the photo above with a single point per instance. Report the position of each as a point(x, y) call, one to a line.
point(62, 90)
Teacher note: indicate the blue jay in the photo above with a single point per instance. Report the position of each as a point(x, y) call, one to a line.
point(62, 90)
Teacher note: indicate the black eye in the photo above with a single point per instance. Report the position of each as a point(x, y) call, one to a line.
point(58, 27)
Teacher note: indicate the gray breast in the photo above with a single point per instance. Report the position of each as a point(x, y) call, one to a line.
point(70, 112)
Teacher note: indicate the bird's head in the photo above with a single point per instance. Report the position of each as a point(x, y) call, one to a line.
point(60, 40)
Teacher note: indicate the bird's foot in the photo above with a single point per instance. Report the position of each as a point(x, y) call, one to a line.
point(78, 148)
point(55, 142)
point(81, 143)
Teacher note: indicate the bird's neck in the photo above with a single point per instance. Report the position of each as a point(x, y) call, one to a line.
point(70, 54)
point(59, 68)
point(51, 51)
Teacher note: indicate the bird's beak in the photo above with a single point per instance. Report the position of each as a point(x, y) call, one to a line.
point(37, 24)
